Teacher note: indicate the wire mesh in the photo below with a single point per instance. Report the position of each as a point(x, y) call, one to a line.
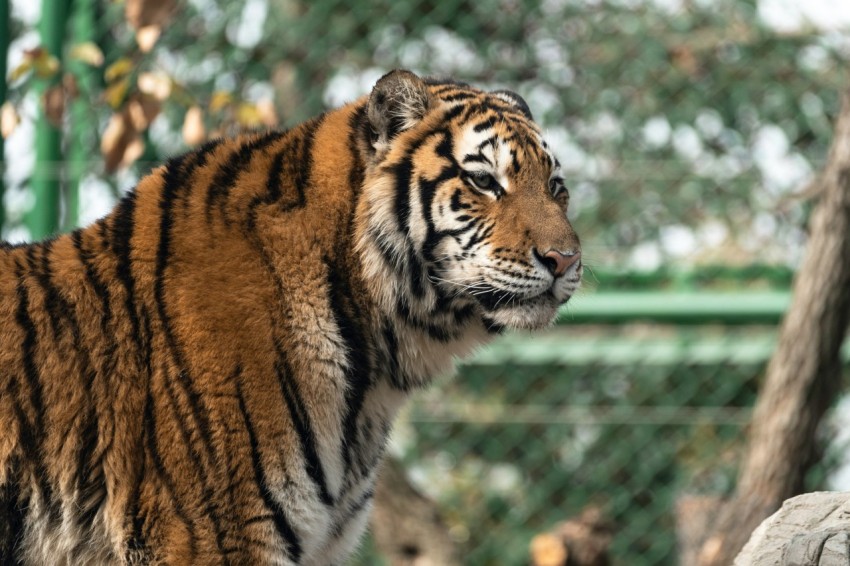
point(627, 420)
point(687, 131)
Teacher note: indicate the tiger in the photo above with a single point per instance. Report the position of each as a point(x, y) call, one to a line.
point(209, 374)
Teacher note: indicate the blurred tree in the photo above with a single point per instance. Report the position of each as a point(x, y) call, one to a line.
point(804, 375)
point(675, 126)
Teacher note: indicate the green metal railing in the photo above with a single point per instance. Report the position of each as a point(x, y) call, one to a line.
point(627, 417)
point(694, 307)
point(43, 218)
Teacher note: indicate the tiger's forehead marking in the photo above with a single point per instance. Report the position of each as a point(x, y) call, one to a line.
point(494, 137)
point(488, 150)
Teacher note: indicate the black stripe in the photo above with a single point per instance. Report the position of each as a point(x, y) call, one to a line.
point(28, 348)
point(13, 510)
point(209, 498)
point(398, 379)
point(481, 126)
point(123, 225)
point(33, 432)
point(427, 193)
point(456, 204)
point(89, 473)
point(477, 158)
point(458, 96)
point(303, 426)
point(403, 173)
point(282, 524)
point(436, 332)
point(356, 124)
point(137, 541)
point(226, 176)
point(490, 298)
point(492, 326)
point(42, 271)
point(274, 190)
point(174, 178)
point(353, 510)
point(100, 289)
point(273, 183)
point(358, 373)
point(304, 169)
point(293, 162)
point(90, 479)
point(163, 472)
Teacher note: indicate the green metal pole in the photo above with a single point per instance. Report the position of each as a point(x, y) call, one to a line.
point(703, 307)
point(43, 219)
point(83, 146)
point(4, 49)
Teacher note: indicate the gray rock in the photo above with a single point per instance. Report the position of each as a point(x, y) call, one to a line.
point(809, 530)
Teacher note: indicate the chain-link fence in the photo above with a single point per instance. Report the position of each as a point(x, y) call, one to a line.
point(687, 130)
point(685, 127)
point(627, 419)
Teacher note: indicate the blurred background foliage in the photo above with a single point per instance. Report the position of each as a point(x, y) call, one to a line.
point(686, 128)
point(689, 131)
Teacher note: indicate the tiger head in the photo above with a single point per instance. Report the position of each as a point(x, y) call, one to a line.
point(464, 209)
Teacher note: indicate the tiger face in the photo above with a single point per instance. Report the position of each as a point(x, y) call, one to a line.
point(479, 201)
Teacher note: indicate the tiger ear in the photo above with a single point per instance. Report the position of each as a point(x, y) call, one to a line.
point(399, 100)
point(516, 100)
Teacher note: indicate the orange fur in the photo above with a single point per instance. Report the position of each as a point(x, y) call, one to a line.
point(209, 374)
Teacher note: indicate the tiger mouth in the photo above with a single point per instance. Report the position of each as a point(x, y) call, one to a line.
point(493, 299)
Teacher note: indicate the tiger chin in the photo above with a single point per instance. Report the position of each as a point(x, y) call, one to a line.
point(209, 374)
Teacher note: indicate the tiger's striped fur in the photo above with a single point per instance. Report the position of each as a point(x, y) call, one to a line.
point(209, 374)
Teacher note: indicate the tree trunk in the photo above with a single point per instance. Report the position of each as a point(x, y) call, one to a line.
point(406, 526)
point(804, 373)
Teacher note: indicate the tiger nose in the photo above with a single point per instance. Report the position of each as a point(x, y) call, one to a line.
point(556, 262)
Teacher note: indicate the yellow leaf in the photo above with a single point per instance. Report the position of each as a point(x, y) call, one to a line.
point(115, 93)
point(134, 150)
point(267, 111)
point(45, 65)
point(141, 111)
point(87, 52)
point(141, 13)
point(118, 69)
point(157, 85)
point(194, 131)
point(21, 70)
point(147, 37)
point(219, 100)
point(248, 115)
point(114, 141)
point(9, 119)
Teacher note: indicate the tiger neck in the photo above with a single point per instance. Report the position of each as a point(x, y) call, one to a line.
point(422, 331)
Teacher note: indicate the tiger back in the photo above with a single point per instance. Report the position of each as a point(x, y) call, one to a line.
point(209, 374)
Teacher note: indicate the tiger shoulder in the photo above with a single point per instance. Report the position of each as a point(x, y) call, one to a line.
point(208, 375)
